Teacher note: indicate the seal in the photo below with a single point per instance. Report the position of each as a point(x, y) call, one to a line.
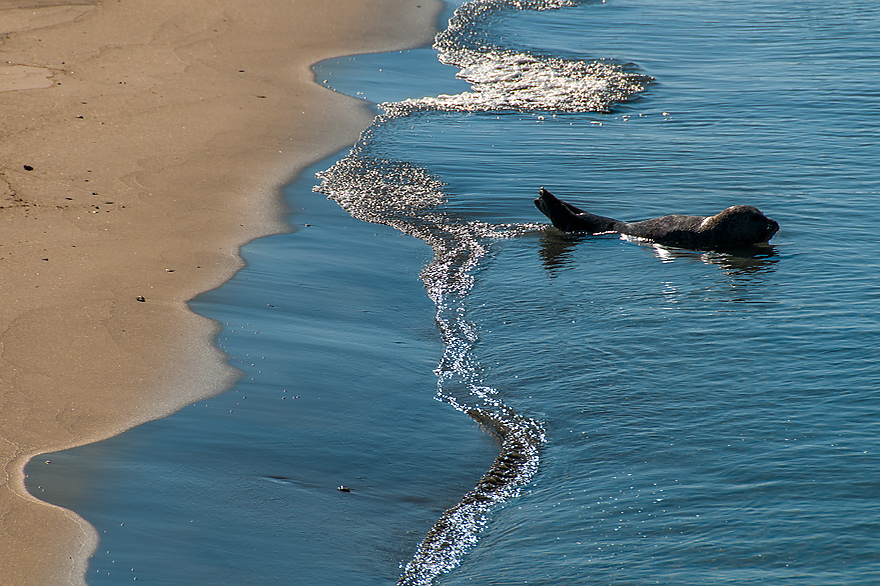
point(736, 227)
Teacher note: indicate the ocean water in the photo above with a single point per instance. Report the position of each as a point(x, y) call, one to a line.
point(509, 404)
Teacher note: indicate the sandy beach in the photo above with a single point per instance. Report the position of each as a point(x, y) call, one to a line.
point(142, 143)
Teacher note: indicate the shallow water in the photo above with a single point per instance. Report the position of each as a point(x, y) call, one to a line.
point(699, 417)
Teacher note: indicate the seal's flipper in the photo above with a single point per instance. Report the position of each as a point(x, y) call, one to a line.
point(572, 208)
point(569, 218)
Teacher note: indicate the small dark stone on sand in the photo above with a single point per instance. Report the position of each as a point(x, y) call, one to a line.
point(141, 298)
point(28, 168)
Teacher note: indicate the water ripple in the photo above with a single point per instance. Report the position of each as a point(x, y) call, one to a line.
point(410, 198)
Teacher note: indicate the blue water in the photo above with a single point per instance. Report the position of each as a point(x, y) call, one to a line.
point(669, 416)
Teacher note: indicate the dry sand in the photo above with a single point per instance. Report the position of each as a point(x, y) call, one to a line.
point(142, 143)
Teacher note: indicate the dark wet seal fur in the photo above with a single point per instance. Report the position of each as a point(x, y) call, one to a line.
point(735, 227)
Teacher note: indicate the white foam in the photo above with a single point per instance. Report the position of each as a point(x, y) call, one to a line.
point(504, 81)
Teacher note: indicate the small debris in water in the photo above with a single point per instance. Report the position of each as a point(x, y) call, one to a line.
point(343, 488)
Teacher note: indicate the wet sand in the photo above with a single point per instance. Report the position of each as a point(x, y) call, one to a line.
point(142, 143)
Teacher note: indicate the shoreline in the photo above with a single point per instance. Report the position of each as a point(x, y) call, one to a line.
point(143, 144)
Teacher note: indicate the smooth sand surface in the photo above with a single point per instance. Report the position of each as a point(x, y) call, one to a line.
point(143, 142)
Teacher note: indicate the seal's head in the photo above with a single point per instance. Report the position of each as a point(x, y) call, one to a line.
point(739, 226)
